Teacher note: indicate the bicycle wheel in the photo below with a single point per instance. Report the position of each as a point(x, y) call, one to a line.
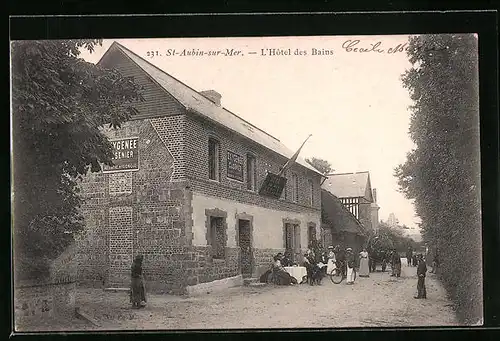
point(336, 276)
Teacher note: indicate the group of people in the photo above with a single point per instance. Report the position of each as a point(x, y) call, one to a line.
point(336, 257)
point(411, 257)
point(277, 273)
point(317, 265)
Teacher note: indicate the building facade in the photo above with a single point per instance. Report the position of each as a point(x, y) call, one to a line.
point(184, 191)
point(340, 226)
point(355, 192)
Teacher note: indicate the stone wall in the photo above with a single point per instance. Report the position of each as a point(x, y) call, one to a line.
point(50, 297)
point(33, 302)
point(365, 214)
point(138, 212)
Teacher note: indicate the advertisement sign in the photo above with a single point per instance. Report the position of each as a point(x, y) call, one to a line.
point(272, 186)
point(125, 155)
point(234, 166)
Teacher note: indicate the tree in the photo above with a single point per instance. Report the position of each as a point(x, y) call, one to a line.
point(322, 165)
point(442, 172)
point(395, 237)
point(59, 103)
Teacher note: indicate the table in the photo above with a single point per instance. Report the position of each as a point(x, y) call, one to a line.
point(298, 272)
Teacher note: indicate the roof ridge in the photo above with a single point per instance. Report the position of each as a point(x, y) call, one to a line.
point(348, 173)
point(198, 92)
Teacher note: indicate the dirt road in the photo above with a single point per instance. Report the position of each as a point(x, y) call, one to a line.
point(377, 301)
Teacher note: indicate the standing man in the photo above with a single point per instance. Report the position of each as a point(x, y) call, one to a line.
point(395, 264)
point(409, 255)
point(340, 257)
point(421, 270)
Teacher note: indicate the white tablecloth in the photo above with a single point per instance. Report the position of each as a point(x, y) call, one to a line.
point(298, 272)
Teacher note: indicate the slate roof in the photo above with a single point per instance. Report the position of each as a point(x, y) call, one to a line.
point(335, 215)
point(195, 102)
point(349, 185)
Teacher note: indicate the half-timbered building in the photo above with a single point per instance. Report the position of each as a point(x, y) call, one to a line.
point(354, 192)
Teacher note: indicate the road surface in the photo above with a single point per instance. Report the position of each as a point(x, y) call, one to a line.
point(377, 301)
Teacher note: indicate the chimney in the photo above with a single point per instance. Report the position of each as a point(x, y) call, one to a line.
point(374, 195)
point(213, 96)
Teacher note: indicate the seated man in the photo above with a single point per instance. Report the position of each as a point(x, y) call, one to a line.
point(287, 260)
point(314, 272)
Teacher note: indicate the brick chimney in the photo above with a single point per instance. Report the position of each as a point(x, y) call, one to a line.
point(374, 211)
point(213, 96)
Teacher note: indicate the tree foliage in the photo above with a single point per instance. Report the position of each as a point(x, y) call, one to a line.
point(59, 102)
point(388, 237)
point(322, 165)
point(442, 173)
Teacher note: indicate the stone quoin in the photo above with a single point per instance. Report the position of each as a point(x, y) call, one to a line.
point(191, 204)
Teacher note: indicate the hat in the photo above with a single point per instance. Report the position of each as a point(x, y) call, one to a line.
point(348, 249)
point(330, 247)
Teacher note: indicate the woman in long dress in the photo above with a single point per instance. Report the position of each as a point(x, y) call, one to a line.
point(350, 266)
point(364, 270)
point(331, 265)
point(280, 276)
point(137, 290)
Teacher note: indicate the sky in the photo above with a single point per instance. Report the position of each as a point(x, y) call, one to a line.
point(353, 103)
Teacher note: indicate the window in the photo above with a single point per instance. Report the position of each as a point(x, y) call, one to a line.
point(295, 187)
point(213, 159)
point(311, 191)
point(251, 172)
point(311, 233)
point(352, 205)
point(284, 194)
point(217, 238)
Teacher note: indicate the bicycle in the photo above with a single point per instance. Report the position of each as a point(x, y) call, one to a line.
point(337, 275)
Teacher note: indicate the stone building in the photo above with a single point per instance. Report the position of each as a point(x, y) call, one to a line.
point(184, 191)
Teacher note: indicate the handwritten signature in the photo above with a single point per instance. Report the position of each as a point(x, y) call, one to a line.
point(358, 47)
point(355, 46)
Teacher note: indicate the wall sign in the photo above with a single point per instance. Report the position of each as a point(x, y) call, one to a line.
point(234, 166)
point(125, 155)
point(272, 186)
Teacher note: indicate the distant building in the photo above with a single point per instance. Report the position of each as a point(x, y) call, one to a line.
point(355, 192)
point(184, 191)
point(340, 227)
point(392, 221)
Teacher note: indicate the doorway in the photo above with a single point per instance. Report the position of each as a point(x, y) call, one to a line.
point(245, 243)
point(292, 241)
